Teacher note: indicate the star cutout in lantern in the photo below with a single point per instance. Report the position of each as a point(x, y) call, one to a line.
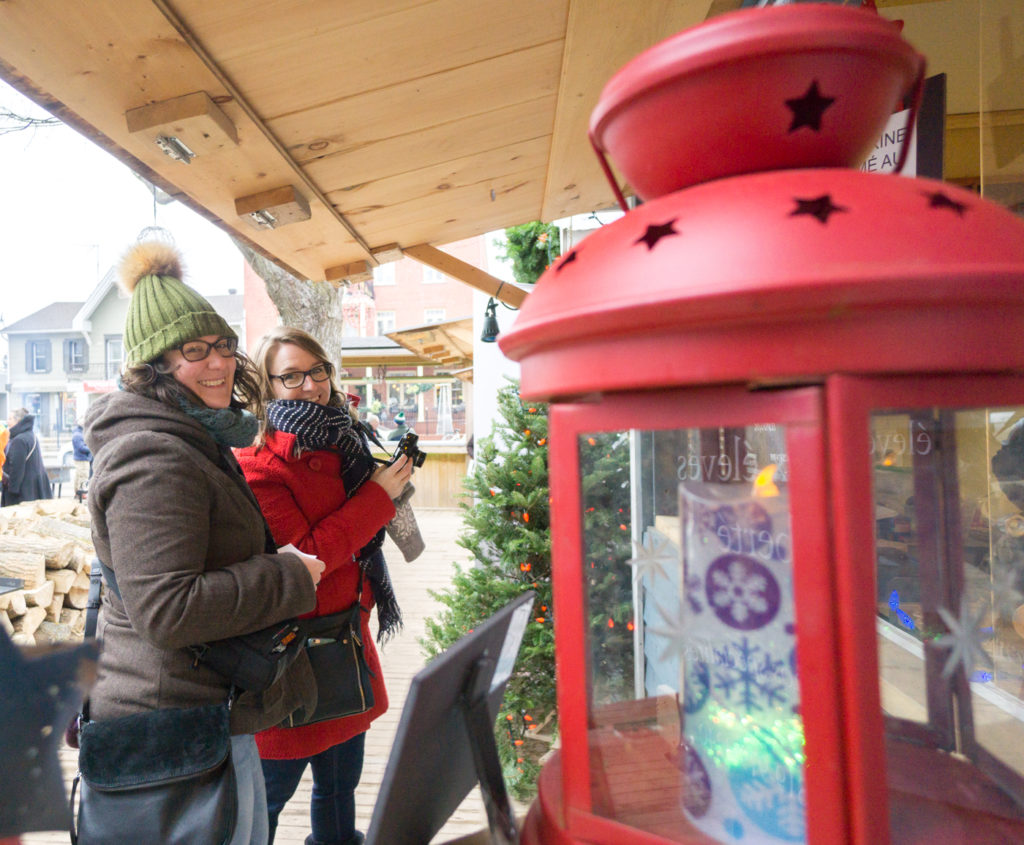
point(569, 259)
point(654, 555)
point(940, 200)
point(819, 207)
point(808, 109)
point(963, 640)
point(41, 694)
point(655, 232)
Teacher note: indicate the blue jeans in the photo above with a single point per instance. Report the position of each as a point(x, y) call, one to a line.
point(336, 773)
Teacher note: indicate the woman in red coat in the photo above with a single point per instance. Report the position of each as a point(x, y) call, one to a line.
point(320, 489)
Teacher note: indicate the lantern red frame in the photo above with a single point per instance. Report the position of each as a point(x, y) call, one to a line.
point(850, 402)
point(832, 520)
point(801, 411)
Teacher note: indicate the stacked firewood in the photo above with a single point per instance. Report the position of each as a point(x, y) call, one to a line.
point(48, 546)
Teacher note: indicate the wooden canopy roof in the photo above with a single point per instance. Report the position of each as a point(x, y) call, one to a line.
point(390, 123)
point(335, 135)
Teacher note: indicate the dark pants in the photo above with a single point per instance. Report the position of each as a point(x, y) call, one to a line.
point(336, 774)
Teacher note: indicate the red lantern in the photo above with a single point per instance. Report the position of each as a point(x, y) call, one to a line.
point(816, 374)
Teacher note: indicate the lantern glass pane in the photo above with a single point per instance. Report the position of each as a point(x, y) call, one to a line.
point(694, 703)
point(949, 541)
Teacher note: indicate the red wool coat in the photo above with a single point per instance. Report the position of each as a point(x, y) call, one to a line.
point(304, 502)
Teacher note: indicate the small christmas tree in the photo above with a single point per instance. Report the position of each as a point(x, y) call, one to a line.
point(507, 532)
point(605, 489)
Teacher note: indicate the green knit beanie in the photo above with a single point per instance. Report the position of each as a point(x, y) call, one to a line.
point(164, 312)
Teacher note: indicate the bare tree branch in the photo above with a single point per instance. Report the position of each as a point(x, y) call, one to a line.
point(11, 122)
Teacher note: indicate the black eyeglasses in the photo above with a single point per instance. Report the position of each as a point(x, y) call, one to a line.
point(197, 350)
point(321, 372)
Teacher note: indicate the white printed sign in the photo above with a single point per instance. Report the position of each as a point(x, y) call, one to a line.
point(886, 154)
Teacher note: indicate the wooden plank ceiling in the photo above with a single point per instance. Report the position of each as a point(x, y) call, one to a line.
point(369, 127)
point(397, 122)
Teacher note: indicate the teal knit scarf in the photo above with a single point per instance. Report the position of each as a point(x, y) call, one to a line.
point(227, 426)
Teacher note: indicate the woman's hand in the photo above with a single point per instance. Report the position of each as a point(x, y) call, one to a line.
point(314, 566)
point(394, 477)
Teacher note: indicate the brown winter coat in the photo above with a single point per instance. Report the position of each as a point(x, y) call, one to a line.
point(186, 542)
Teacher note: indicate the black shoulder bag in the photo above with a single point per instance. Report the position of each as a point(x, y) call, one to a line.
point(252, 662)
point(161, 776)
point(334, 645)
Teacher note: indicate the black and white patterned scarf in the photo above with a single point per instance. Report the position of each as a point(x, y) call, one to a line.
point(319, 427)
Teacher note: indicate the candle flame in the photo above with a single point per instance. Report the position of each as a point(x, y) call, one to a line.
point(764, 483)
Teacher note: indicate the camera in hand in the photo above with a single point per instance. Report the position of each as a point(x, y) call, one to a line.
point(407, 446)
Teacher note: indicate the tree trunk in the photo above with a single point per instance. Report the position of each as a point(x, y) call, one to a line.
point(312, 306)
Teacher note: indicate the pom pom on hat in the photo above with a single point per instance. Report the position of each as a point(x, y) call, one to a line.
point(164, 312)
point(150, 258)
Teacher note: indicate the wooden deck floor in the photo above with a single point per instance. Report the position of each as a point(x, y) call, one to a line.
point(402, 659)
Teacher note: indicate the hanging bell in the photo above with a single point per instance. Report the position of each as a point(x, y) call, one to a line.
point(491, 327)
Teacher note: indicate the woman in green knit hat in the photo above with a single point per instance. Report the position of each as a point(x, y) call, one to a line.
point(174, 520)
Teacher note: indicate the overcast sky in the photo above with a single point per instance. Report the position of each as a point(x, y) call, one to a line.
point(68, 210)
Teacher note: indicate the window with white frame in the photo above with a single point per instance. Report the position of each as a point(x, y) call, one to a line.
point(37, 356)
point(114, 348)
point(433, 315)
point(385, 322)
point(433, 277)
point(384, 274)
point(75, 360)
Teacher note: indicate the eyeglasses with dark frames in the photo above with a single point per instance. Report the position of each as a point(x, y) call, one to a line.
point(321, 372)
point(198, 350)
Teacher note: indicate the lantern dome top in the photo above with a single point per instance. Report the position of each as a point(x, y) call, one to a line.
point(779, 276)
point(757, 89)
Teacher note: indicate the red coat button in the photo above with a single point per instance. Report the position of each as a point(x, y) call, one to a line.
point(315, 464)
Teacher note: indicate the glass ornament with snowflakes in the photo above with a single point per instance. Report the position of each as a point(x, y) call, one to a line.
point(742, 735)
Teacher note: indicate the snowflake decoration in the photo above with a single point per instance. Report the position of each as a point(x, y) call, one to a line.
point(694, 589)
point(673, 631)
point(696, 685)
point(964, 640)
point(654, 555)
point(748, 676)
point(743, 593)
point(773, 799)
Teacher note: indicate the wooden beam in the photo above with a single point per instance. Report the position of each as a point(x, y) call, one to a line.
point(343, 274)
point(284, 205)
point(193, 118)
point(443, 262)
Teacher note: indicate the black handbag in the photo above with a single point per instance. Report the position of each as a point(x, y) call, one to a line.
point(165, 776)
point(252, 662)
point(334, 645)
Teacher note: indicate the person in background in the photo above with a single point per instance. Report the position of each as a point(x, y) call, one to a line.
point(373, 423)
point(174, 519)
point(81, 455)
point(321, 490)
point(400, 427)
point(5, 436)
point(24, 475)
